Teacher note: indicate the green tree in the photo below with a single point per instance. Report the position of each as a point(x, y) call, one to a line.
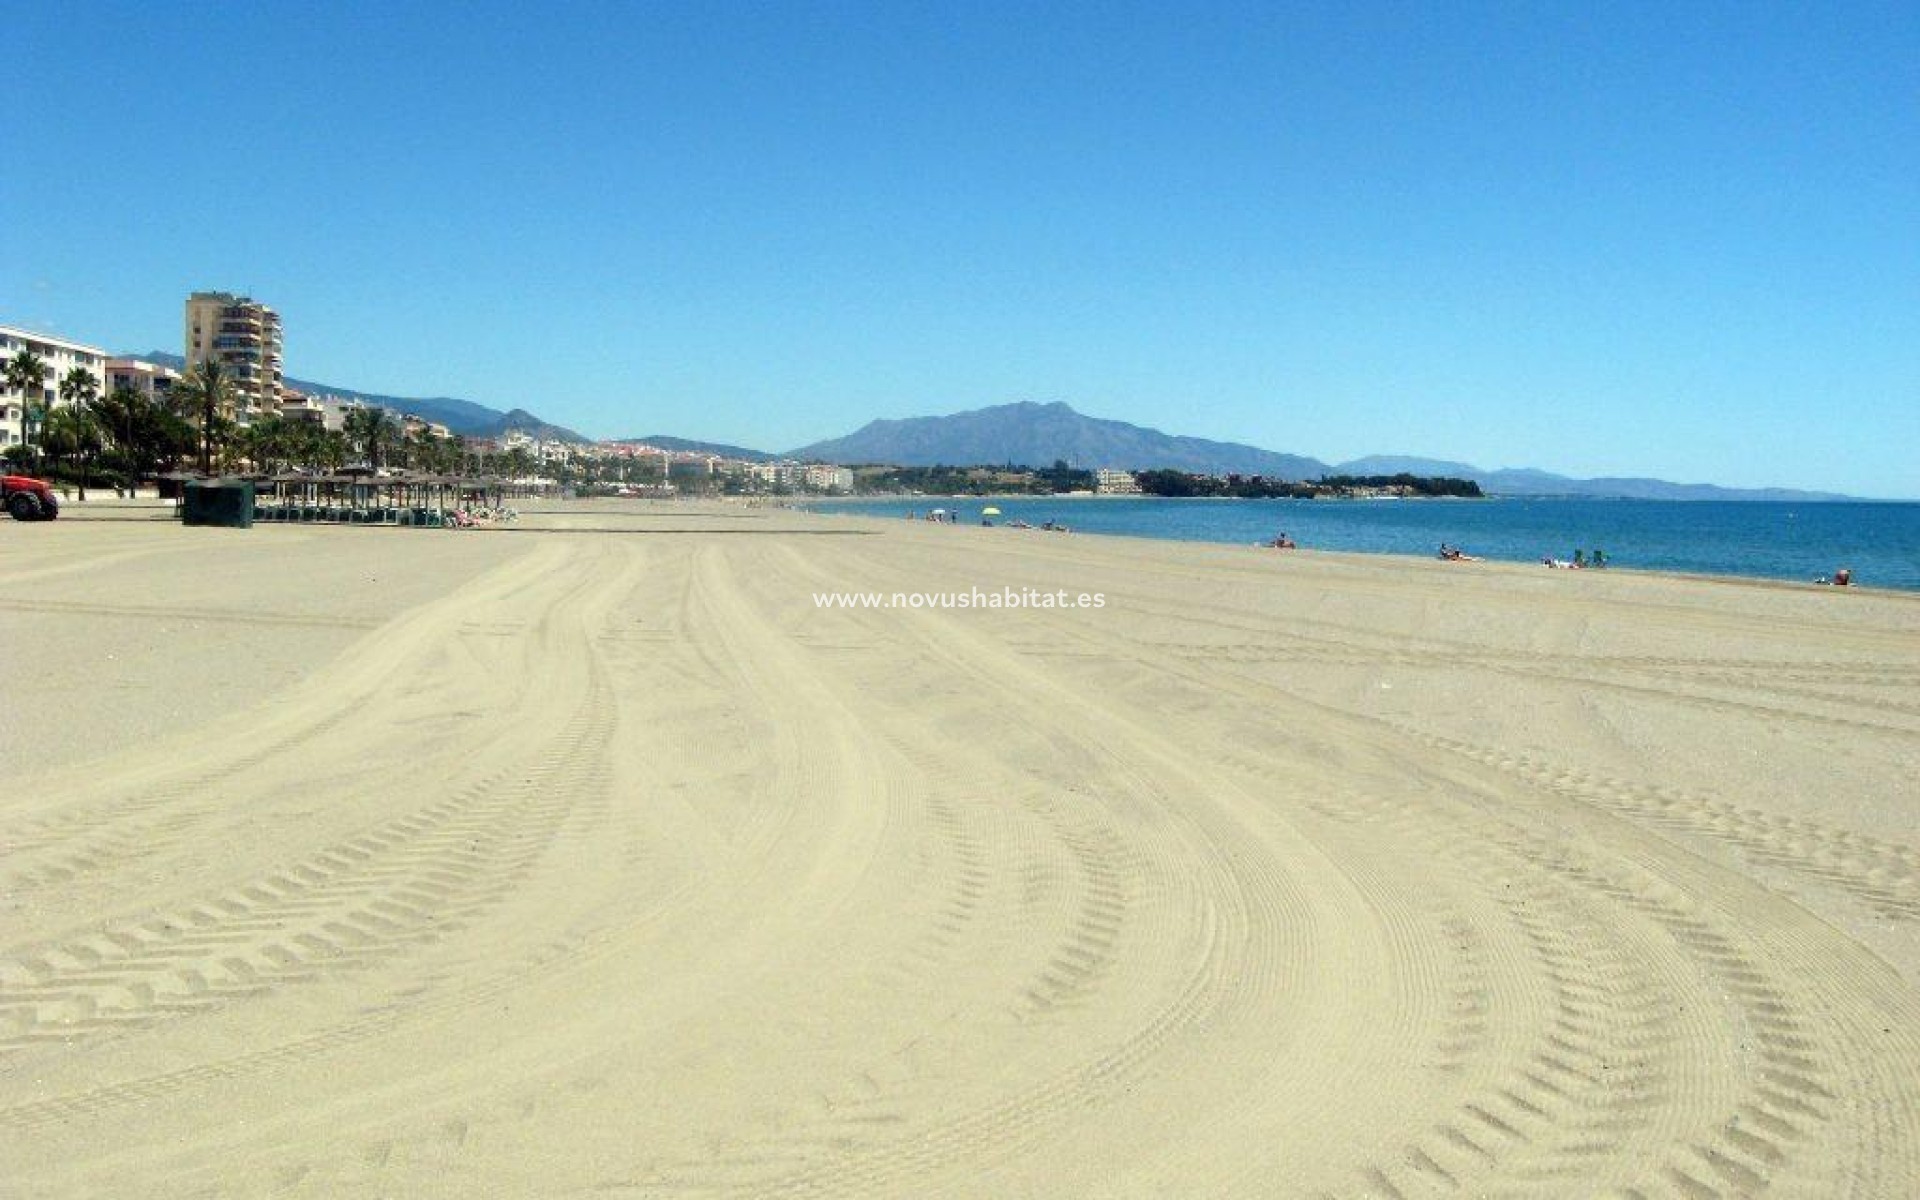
point(270, 443)
point(117, 413)
point(27, 374)
point(305, 443)
point(370, 430)
point(72, 435)
point(206, 393)
point(223, 438)
point(79, 387)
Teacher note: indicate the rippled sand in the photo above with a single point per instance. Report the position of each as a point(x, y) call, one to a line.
point(594, 859)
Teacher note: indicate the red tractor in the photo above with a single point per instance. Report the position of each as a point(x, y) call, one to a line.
point(27, 498)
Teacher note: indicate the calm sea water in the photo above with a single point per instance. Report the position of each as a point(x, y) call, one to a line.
point(1880, 542)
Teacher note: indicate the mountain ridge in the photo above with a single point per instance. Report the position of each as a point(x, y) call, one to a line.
point(693, 446)
point(463, 417)
point(1034, 434)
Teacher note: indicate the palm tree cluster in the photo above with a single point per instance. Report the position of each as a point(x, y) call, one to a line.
point(131, 436)
point(124, 433)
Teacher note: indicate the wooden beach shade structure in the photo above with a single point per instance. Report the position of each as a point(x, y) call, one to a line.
point(363, 498)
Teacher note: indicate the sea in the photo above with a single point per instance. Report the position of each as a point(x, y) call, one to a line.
point(1878, 542)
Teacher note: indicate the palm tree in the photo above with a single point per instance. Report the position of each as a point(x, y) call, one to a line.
point(117, 413)
point(332, 453)
point(72, 432)
point(370, 428)
point(304, 440)
point(79, 387)
point(224, 437)
point(270, 442)
point(205, 389)
point(27, 374)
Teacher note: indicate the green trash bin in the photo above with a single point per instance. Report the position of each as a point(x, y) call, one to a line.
point(227, 504)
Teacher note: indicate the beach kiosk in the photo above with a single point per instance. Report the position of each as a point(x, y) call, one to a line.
point(227, 503)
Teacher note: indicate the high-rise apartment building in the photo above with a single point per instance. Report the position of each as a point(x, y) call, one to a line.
point(244, 337)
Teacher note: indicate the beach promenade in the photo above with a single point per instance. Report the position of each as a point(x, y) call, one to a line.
point(594, 858)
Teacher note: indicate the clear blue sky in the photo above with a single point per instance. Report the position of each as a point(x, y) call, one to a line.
point(1668, 239)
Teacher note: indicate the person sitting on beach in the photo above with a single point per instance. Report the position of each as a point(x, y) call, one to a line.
point(1579, 559)
point(1599, 557)
point(1843, 577)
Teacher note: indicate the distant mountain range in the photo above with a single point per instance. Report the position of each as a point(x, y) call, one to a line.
point(1033, 434)
point(461, 416)
point(687, 445)
point(1037, 434)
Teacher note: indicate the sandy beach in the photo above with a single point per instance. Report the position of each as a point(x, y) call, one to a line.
point(594, 858)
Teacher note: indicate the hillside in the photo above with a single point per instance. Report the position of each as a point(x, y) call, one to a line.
point(461, 416)
point(689, 446)
point(1527, 481)
point(1038, 434)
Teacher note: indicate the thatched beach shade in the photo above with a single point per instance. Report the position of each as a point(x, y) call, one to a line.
point(172, 485)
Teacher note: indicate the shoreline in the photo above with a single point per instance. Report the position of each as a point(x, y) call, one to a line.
point(1766, 581)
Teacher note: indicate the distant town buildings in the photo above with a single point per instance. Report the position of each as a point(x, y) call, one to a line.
point(60, 358)
point(244, 336)
point(824, 478)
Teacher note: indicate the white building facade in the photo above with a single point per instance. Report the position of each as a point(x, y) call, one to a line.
point(60, 358)
point(152, 381)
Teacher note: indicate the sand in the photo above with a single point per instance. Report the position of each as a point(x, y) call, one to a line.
point(595, 859)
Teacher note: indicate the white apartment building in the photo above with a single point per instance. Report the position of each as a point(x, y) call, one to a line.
point(244, 337)
point(823, 478)
point(298, 406)
point(1111, 482)
point(412, 423)
point(779, 474)
point(60, 358)
point(152, 381)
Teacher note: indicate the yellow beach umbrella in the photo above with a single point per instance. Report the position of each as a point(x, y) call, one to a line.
point(989, 511)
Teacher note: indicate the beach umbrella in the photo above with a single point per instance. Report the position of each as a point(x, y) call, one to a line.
point(939, 512)
point(989, 511)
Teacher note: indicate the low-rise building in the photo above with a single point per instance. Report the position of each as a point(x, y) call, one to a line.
point(1109, 481)
point(151, 381)
point(298, 406)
